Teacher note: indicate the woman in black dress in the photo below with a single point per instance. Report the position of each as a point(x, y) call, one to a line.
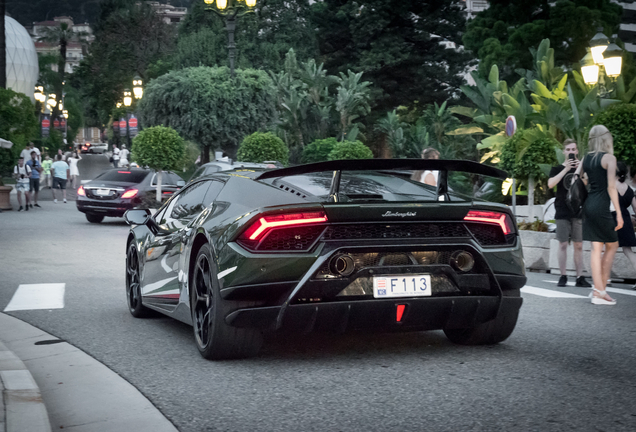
point(626, 236)
point(598, 224)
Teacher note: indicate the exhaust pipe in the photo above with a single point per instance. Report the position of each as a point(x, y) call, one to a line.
point(462, 261)
point(342, 265)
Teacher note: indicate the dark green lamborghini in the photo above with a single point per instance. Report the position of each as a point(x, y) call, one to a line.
point(331, 246)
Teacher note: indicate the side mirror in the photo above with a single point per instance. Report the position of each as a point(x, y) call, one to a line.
point(180, 183)
point(137, 217)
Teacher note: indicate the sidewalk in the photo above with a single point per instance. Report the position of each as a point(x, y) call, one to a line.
point(47, 384)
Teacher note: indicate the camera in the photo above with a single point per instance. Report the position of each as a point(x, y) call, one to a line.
point(21, 176)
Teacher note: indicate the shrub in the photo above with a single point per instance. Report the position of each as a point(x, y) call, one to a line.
point(522, 159)
point(350, 150)
point(620, 119)
point(318, 151)
point(18, 124)
point(160, 148)
point(260, 147)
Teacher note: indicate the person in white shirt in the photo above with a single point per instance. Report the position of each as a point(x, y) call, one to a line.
point(115, 156)
point(26, 153)
point(22, 173)
point(123, 156)
point(427, 176)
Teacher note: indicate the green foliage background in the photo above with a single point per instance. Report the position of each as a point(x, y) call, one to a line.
point(620, 119)
point(18, 124)
point(522, 159)
point(260, 147)
point(205, 106)
point(319, 150)
point(350, 150)
point(158, 147)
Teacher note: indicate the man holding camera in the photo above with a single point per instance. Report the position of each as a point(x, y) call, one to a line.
point(568, 225)
point(22, 173)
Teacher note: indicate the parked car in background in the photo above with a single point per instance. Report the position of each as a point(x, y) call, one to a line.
point(218, 166)
point(335, 246)
point(100, 148)
point(117, 190)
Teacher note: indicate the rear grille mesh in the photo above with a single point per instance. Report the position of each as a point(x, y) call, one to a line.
point(487, 235)
point(393, 231)
point(286, 239)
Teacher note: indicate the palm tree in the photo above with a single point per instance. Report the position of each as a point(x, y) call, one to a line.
point(352, 100)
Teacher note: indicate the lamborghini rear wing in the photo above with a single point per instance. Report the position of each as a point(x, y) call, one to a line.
point(337, 166)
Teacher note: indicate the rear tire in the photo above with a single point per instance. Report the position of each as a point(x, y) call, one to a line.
point(488, 333)
point(133, 287)
point(214, 338)
point(93, 218)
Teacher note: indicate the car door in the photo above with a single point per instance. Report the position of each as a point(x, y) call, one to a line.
point(160, 284)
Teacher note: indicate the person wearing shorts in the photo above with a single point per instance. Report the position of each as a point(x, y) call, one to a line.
point(21, 173)
point(569, 227)
point(61, 174)
point(34, 180)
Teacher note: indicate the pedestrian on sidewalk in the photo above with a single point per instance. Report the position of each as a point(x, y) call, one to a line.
point(72, 161)
point(46, 173)
point(115, 156)
point(598, 225)
point(21, 173)
point(60, 153)
point(61, 174)
point(26, 152)
point(626, 198)
point(34, 180)
point(123, 156)
point(569, 226)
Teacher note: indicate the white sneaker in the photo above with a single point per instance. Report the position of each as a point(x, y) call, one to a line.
point(64, 201)
point(55, 201)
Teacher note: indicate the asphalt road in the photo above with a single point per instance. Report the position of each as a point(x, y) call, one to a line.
point(569, 365)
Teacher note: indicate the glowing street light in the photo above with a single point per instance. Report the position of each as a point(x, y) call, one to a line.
point(127, 98)
point(138, 89)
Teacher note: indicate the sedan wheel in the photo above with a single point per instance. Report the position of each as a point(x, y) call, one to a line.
point(133, 287)
point(93, 218)
point(214, 338)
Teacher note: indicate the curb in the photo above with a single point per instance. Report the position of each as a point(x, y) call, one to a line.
point(24, 409)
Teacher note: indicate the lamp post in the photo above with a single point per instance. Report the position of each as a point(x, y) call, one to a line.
point(604, 60)
point(230, 10)
point(138, 89)
point(127, 104)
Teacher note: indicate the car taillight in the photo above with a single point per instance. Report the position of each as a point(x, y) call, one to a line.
point(490, 217)
point(259, 228)
point(81, 191)
point(130, 193)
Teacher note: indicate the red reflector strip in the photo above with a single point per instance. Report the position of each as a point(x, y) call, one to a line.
point(496, 218)
point(400, 312)
point(81, 191)
point(277, 221)
point(130, 193)
point(123, 172)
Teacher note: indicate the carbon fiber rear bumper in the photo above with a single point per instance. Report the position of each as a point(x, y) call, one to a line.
point(380, 315)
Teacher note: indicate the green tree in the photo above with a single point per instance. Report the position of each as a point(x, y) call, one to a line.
point(160, 148)
point(620, 119)
point(505, 33)
point(319, 150)
point(352, 101)
point(260, 147)
point(205, 106)
point(396, 43)
point(350, 150)
point(17, 124)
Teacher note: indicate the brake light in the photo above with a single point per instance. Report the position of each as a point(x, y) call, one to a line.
point(130, 193)
point(123, 172)
point(491, 217)
point(259, 228)
point(81, 191)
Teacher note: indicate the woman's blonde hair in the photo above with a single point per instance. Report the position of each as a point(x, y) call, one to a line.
point(600, 140)
point(430, 153)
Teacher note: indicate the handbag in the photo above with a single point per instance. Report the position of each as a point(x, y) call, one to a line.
point(111, 159)
point(576, 196)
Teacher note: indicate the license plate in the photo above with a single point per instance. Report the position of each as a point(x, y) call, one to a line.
point(402, 286)
point(103, 192)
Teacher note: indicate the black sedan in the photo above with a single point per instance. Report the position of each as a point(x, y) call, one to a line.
point(337, 246)
point(114, 191)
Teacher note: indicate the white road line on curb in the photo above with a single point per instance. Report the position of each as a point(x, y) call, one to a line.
point(37, 296)
point(624, 291)
point(548, 293)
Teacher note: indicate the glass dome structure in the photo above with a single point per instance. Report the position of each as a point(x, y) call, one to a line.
point(22, 60)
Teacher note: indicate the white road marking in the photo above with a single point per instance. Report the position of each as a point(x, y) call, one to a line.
point(37, 296)
point(548, 293)
point(226, 272)
point(624, 291)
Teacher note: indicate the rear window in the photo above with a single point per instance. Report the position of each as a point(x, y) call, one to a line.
point(123, 176)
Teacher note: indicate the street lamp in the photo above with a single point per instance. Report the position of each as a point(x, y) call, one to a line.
point(51, 102)
point(598, 45)
point(230, 10)
point(589, 69)
point(604, 59)
point(127, 98)
point(138, 89)
point(38, 94)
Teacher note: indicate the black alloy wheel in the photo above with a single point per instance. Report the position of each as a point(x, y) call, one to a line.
point(133, 286)
point(214, 338)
